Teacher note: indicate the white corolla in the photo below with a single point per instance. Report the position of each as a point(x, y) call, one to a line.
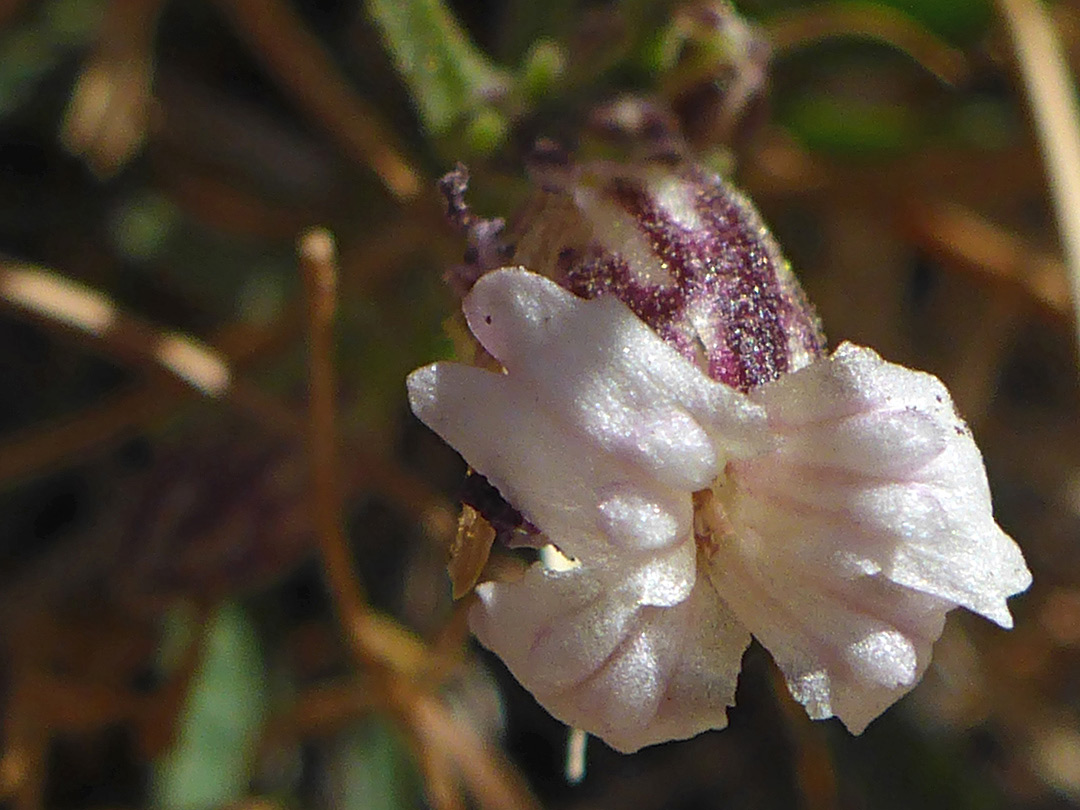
point(669, 419)
point(836, 513)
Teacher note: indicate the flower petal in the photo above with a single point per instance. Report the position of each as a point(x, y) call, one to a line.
point(856, 535)
point(583, 500)
point(595, 431)
point(597, 659)
point(534, 461)
point(609, 374)
point(849, 647)
point(878, 450)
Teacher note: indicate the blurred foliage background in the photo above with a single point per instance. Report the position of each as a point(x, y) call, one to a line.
point(177, 631)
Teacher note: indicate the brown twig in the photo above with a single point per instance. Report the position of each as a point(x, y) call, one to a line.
point(38, 449)
point(492, 781)
point(317, 265)
point(373, 641)
point(57, 301)
point(281, 39)
point(319, 270)
point(175, 360)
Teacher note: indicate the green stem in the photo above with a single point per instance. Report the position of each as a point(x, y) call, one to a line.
point(448, 76)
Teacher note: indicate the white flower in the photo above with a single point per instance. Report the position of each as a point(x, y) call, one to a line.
point(835, 513)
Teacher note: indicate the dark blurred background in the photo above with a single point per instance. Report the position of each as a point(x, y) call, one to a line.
point(167, 636)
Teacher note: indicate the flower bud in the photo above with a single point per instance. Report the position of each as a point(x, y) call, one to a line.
point(686, 252)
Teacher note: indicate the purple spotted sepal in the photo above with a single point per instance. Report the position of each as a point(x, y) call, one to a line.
point(685, 251)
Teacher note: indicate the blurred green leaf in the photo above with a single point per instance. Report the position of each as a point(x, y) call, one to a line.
point(209, 765)
point(960, 21)
point(142, 225)
point(28, 52)
point(449, 77)
point(544, 65)
point(72, 22)
point(853, 128)
point(372, 770)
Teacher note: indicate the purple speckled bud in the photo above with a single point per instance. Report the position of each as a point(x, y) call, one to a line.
point(686, 252)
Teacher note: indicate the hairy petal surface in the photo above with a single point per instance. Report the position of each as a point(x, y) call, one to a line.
point(853, 538)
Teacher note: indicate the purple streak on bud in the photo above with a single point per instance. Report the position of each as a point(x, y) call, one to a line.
point(689, 255)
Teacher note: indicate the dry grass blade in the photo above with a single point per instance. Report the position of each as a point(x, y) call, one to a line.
point(59, 302)
point(818, 22)
point(492, 781)
point(297, 59)
point(107, 117)
point(178, 364)
point(1052, 96)
point(964, 241)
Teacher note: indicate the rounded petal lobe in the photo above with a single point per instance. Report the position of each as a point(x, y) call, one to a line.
point(878, 451)
point(608, 375)
point(853, 538)
point(599, 660)
point(848, 646)
point(558, 479)
point(530, 458)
